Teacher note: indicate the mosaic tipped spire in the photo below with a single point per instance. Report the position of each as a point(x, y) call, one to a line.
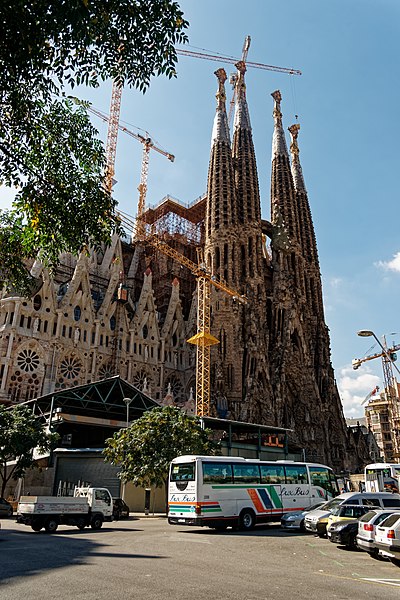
point(242, 117)
point(220, 130)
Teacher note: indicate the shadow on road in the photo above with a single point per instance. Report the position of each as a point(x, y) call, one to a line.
point(268, 530)
point(28, 553)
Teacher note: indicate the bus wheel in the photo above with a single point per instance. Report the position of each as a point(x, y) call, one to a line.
point(247, 519)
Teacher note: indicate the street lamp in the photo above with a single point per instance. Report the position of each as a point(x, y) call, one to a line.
point(127, 402)
point(368, 333)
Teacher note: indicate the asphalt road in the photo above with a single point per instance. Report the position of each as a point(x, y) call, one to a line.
point(147, 559)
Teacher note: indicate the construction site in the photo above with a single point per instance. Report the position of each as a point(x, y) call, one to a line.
point(205, 306)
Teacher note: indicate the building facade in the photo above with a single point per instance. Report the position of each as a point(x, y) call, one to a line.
point(129, 309)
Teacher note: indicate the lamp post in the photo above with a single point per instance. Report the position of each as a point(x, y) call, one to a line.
point(128, 403)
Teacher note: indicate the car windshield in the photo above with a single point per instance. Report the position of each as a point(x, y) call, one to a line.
point(320, 505)
point(331, 504)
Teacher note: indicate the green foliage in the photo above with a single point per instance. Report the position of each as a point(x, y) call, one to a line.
point(145, 449)
point(20, 433)
point(48, 147)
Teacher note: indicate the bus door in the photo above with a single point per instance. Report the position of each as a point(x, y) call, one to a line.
point(296, 490)
point(272, 479)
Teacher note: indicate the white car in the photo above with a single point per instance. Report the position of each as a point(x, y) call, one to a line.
point(387, 538)
point(366, 530)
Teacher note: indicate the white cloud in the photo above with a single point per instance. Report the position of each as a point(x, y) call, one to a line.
point(390, 265)
point(354, 387)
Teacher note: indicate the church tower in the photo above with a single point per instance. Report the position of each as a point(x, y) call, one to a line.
point(304, 390)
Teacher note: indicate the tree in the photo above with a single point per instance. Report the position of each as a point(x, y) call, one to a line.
point(48, 148)
point(20, 433)
point(145, 449)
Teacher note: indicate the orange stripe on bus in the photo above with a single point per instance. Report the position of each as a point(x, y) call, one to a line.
point(256, 501)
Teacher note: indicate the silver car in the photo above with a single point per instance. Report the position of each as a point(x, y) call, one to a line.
point(295, 520)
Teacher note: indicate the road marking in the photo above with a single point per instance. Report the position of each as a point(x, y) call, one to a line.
point(395, 582)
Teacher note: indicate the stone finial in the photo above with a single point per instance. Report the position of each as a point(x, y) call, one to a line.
point(220, 95)
point(294, 132)
point(297, 172)
point(277, 96)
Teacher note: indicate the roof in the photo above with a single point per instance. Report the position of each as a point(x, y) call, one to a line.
point(100, 399)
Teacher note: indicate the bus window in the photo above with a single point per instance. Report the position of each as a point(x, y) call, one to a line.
point(246, 473)
point(296, 474)
point(322, 477)
point(272, 474)
point(183, 472)
point(217, 473)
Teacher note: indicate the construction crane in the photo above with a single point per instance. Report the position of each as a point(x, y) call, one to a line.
point(112, 134)
point(388, 356)
point(228, 59)
point(233, 77)
point(203, 338)
point(148, 145)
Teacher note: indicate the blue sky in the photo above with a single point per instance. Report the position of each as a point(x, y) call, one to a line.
point(347, 102)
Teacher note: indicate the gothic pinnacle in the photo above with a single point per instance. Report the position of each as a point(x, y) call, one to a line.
point(278, 140)
point(242, 118)
point(221, 128)
point(297, 172)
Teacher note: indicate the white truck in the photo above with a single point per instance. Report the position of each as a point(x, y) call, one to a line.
point(89, 506)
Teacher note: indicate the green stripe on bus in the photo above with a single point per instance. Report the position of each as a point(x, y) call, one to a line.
point(274, 496)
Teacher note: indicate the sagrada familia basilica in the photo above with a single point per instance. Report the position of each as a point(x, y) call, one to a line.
point(128, 310)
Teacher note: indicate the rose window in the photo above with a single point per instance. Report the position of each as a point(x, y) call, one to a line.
point(28, 360)
point(70, 367)
point(141, 380)
point(106, 371)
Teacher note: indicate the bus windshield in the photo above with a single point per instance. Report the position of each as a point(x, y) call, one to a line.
point(183, 471)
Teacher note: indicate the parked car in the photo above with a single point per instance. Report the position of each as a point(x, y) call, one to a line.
point(366, 530)
point(120, 509)
point(346, 512)
point(316, 520)
point(343, 533)
point(295, 520)
point(387, 538)
point(6, 509)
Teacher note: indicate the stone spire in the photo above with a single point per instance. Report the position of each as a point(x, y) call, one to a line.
point(308, 241)
point(247, 188)
point(283, 200)
point(221, 212)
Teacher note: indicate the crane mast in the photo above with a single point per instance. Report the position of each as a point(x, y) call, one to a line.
point(390, 386)
point(112, 134)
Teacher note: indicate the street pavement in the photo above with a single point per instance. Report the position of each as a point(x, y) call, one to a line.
point(147, 559)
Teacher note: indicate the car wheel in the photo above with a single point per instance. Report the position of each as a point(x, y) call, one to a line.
point(303, 526)
point(247, 519)
point(51, 526)
point(117, 515)
point(395, 561)
point(377, 556)
point(10, 512)
point(320, 534)
point(96, 523)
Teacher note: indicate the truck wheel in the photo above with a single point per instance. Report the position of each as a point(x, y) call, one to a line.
point(36, 526)
point(247, 519)
point(96, 523)
point(81, 524)
point(51, 526)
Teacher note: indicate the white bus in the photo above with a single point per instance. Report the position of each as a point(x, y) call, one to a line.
point(382, 477)
point(218, 491)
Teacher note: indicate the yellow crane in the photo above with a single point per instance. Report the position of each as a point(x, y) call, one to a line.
point(203, 338)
